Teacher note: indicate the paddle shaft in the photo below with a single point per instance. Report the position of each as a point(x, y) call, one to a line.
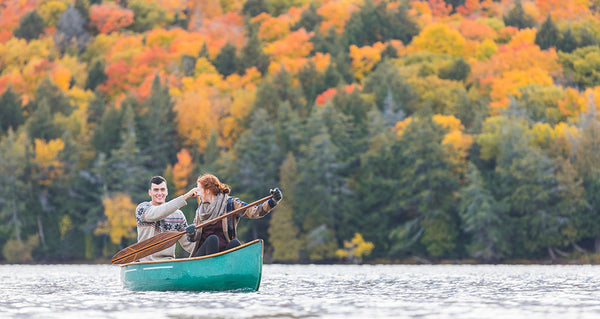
point(167, 239)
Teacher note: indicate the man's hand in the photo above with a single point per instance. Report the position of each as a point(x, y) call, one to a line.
point(191, 193)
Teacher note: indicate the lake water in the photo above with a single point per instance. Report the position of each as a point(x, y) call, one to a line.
point(314, 291)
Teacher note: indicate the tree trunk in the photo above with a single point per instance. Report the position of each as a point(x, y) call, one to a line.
point(597, 244)
point(552, 255)
point(41, 230)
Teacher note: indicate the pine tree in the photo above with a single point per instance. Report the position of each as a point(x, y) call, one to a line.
point(548, 35)
point(252, 55)
point(96, 75)
point(31, 26)
point(518, 18)
point(567, 42)
point(226, 62)
point(156, 127)
point(11, 114)
point(283, 232)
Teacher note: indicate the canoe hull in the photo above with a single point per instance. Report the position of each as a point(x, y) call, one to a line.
point(236, 269)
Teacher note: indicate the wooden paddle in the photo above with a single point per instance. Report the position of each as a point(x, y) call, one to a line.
point(167, 239)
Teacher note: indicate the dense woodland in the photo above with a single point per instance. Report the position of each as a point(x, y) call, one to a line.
point(397, 130)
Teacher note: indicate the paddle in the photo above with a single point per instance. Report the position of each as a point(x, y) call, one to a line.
point(167, 239)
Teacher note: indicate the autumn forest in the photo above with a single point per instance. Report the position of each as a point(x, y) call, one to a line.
point(398, 130)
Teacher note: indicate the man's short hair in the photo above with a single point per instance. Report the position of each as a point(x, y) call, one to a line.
point(156, 180)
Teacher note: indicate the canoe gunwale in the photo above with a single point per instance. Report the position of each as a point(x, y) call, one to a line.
point(193, 258)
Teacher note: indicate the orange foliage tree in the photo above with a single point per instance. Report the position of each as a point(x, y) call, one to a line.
point(182, 171)
point(108, 18)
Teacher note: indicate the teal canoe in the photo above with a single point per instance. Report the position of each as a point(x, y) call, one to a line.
point(239, 268)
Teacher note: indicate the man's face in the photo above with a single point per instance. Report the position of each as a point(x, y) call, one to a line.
point(158, 193)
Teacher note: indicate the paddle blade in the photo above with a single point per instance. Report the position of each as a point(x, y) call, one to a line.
point(146, 247)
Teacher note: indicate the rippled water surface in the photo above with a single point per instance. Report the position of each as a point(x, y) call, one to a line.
point(332, 291)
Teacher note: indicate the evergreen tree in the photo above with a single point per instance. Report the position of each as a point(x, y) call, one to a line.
point(311, 81)
point(322, 175)
point(480, 217)
point(283, 232)
point(518, 18)
point(587, 157)
point(375, 23)
point(252, 55)
point(31, 26)
point(253, 8)
point(188, 65)
point(226, 62)
point(11, 115)
point(548, 35)
point(83, 6)
point(122, 172)
point(96, 108)
point(108, 131)
point(309, 19)
point(386, 80)
point(96, 75)
point(253, 167)
point(457, 70)
point(427, 193)
point(14, 185)
point(567, 42)
point(156, 128)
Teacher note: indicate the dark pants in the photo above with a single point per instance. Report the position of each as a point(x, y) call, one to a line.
point(211, 246)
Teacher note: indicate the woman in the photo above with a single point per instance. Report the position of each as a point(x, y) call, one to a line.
point(215, 201)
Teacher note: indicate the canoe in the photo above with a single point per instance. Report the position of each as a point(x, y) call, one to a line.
point(239, 268)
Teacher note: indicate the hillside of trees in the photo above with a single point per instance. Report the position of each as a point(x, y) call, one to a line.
point(396, 129)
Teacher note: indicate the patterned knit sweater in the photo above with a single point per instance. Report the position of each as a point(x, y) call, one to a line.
point(153, 220)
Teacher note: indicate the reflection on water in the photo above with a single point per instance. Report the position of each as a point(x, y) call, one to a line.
point(332, 291)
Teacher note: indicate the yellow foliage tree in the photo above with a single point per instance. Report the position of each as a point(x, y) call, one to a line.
point(355, 249)
point(336, 13)
point(182, 171)
point(196, 117)
point(365, 58)
point(49, 166)
point(120, 218)
point(439, 38)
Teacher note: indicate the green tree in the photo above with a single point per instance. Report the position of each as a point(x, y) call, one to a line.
point(375, 23)
point(252, 55)
point(283, 232)
point(147, 15)
point(457, 70)
point(567, 42)
point(14, 184)
point(156, 127)
point(253, 8)
point(31, 26)
point(252, 167)
point(518, 18)
point(548, 35)
point(587, 157)
point(480, 216)
point(227, 62)
point(11, 114)
point(311, 81)
point(108, 131)
point(426, 194)
point(583, 65)
point(96, 75)
point(391, 90)
point(309, 19)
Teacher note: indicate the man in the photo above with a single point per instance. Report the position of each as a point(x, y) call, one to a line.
point(159, 216)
